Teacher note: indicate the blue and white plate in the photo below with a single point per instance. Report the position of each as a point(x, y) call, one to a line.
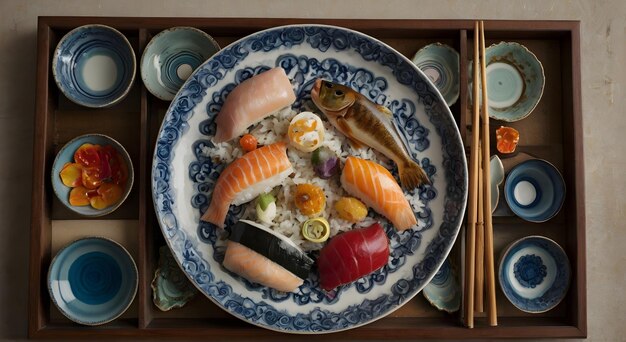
point(93, 280)
point(534, 274)
point(182, 178)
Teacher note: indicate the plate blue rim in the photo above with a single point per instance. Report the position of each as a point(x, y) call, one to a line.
point(406, 73)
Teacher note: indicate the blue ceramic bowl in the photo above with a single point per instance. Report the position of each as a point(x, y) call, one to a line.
point(440, 63)
point(93, 280)
point(534, 274)
point(172, 56)
point(66, 155)
point(535, 190)
point(94, 66)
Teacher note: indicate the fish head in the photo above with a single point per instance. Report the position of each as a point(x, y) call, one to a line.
point(332, 97)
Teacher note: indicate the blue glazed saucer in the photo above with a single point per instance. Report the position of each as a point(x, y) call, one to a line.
point(535, 190)
point(94, 66)
point(172, 56)
point(444, 291)
point(534, 274)
point(93, 280)
point(440, 63)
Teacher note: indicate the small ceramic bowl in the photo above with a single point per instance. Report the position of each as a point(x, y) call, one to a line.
point(444, 291)
point(440, 63)
point(66, 155)
point(93, 280)
point(535, 190)
point(172, 56)
point(515, 81)
point(534, 274)
point(94, 66)
point(170, 287)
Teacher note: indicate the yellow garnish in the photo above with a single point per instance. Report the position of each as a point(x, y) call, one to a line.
point(316, 230)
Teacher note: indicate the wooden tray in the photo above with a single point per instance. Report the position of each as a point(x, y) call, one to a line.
point(552, 132)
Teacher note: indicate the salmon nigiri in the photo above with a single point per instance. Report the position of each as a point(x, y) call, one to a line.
point(252, 101)
point(377, 188)
point(247, 177)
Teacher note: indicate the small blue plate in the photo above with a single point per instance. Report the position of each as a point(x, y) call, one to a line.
point(92, 281)
point(534, 274)
point(440, 63)
point(535, 190)
point(94, 66)
point(172, 56)
point(66, 155)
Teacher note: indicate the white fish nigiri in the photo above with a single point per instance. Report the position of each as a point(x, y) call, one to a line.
point(247, 177)
point(252, 101)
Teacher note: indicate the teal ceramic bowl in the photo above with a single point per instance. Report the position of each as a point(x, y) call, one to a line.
point(92, 281)
point(172, 56)
point(440, 63)
point(66, 155)
point(515, 81)
point(94, 66)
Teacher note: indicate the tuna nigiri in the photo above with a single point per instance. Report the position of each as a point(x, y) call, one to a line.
point(252, 101)
point(247, 177)
point(263, 256)
point(351, 255)
point(376, 187)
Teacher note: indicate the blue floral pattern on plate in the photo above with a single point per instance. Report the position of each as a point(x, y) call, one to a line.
point(183, 177)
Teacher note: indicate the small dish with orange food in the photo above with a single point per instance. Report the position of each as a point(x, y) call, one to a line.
point(92, 175)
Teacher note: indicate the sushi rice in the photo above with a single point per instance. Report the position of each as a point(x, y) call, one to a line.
point(289, 220)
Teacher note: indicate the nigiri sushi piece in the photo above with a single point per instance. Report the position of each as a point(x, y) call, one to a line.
point(247, 177)
point(263, 256)
point(375, 186)
point(352, 255)
point(251, 101)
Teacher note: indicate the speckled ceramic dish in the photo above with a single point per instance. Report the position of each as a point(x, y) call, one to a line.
point(93, 280)
point(94, 66)
point(172, 56)
point(535, 190)
point(534, 274)
point(444, 291)
point(440, 63)
point(515, 81)
point(66, 155)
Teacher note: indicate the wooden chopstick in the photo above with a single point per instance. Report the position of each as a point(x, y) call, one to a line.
point(470, 243)
point(492, 313)
point(480, 243)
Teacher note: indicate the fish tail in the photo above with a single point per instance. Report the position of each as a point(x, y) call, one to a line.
point(412, 175)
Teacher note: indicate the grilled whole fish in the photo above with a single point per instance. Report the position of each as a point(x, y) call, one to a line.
point(366, 123)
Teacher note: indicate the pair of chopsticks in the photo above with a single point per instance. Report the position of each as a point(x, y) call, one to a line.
point(479, 263)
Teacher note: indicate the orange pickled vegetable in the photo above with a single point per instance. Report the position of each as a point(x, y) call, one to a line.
point(310, 199)
point(248, 142)
point(108, 194)
point(79, 196)
point(91, 178)
point(507, 139)
point(87, 155)
point(71, 174)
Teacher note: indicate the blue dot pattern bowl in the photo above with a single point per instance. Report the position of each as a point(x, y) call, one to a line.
point(94, 66)
point(535, 190)
point(66, 155)
point(172, 56)
point(534, 274)
point(92, 281)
